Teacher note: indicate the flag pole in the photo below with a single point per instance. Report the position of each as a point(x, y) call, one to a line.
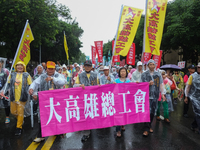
point(113, 51)
point(144, 34)
point(16, 54)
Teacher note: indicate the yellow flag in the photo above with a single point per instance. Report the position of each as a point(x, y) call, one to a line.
point(66, 48)
point(155, 18)
point(23, 51)
point(129, 22)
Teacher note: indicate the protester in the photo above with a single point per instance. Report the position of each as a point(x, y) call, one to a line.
point(136, 76)
point(191, 70)
point(167, 103)
point(74, 68)
point(3, 79)
point(48, 81)
point(38, 73)
point(114, 73)
point(123, 74)
point(4, 68)
point(107, 78)
point(192, 91)
point(173, 86)
point(129, 68)
point(101, 73)
point(65, 72)
point(180, 84)
point(155, 87)
point(75, 74)
point(130, 73)
point(18, 84)
point(44, 67)
point(59, 70)
point(86, 78)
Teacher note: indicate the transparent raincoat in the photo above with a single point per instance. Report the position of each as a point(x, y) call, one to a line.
point(192, 91)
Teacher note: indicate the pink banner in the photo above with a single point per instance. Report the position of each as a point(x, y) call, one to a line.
point(99, 50)
point(157, 59)
point(130, 58)
point(74, 109)
point(93, 55)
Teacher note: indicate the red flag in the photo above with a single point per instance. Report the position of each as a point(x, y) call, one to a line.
point(99, 50)
point(116, 58)
point(130, 58)
point(93, 54)
point(122, 63)
point(157, 59)
point(147, 57)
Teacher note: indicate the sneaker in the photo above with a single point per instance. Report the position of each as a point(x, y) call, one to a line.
point(18, 131)
point(85, 138)
point(7, 120)
point(38, 140)
point(167, 120)
point(158, 118)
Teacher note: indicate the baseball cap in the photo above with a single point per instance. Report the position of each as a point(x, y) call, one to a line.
point(51, 64)
point(198, 64)
point(191, 67)
point(87, 63)
point(106, 68)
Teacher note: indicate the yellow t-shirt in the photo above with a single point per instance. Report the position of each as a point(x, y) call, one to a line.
point(88, 75)
point(18, 85)
point(190, 80)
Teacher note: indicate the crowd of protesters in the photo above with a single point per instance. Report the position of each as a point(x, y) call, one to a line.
point(166, 88)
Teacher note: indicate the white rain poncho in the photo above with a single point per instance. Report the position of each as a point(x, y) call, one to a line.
point(192, 91)
point(103, 79)
point(136, 76)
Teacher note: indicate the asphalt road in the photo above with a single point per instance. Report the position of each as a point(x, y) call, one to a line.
point(174, 136)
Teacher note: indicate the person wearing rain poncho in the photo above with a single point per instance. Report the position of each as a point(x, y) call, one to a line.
point(106, 78)
point(18, 84)
point(167, 104)
point(180, 84)
point(86, 78)
point(114, 73)
point(5, 102)
point(192, 91)
point(136, 76)
point(155, 87)
point(39, 71)
point(48, 81)
point(66, 73)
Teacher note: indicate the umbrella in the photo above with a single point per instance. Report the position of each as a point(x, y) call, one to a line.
point(170, 66)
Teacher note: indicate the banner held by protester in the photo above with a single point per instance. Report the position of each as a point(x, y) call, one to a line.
point(70, 110)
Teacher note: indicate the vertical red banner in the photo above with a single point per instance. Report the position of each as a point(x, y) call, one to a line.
point(99, 50)
point(93, 55)
point(122, 63)
point(157, 59)
point(146, 56)
point(116, 58)
point(130, 58)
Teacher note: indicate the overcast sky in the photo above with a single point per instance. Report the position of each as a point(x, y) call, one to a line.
point(98, 18)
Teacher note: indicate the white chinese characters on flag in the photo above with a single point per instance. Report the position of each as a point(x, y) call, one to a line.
point(99, 50)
